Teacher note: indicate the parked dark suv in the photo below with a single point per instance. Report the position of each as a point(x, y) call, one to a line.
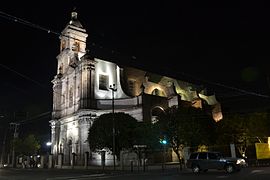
point(202, 161)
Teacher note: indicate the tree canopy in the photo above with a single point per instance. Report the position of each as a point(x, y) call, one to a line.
point(26, 146)
point(186, 126)
point(147, 134)
point(243, 129)
point(100, 134)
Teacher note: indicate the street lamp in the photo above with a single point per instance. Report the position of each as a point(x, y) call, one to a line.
point(113, 88)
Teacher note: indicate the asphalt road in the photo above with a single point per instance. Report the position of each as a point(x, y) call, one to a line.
point(261, 173)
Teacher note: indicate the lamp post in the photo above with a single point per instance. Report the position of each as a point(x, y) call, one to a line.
point(113, 88)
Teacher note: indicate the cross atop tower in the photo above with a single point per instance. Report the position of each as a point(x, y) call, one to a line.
point(74, 14)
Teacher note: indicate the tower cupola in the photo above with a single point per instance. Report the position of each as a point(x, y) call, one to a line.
point(74, 20)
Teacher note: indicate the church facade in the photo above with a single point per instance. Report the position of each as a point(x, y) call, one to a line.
point(84, 87)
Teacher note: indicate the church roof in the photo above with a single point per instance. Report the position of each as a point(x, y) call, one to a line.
point(87, 55)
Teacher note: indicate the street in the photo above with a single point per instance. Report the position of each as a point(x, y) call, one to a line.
point(252, 173)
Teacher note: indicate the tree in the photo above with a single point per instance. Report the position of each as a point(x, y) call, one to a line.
point(147, 134)
point(258, 126)
point(100, 133)
point(26, 146)
point(186, 126)
point(243, 129)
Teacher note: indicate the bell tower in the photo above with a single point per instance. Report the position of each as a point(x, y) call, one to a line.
point(67, 81)
point(67, 87)
point(72, 44)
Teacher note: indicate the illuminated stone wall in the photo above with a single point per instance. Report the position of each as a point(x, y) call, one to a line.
point(81, 93)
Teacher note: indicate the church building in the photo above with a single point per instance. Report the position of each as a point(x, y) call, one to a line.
point(85, 87)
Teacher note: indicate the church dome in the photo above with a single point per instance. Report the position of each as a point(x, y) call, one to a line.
point(74, 20)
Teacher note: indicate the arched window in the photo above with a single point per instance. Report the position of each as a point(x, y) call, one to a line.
point(78, 91)
point(77, 147)
point(156, 113)
point(61, 148)
point(60, 69)
point(63, 44)
point(63, 98)
point(76, 46)
point(158, 92)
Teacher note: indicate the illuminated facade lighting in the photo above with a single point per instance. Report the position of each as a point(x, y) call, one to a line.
point(81, 93)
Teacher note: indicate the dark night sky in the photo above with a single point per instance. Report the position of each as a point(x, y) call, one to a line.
point(223, 46)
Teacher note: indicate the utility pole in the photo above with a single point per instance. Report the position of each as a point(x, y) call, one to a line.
point(113, 88)
point(15, 135)
point(3, 150)
point(3, 147)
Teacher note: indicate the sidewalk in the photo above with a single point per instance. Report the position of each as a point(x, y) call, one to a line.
point(110, 169)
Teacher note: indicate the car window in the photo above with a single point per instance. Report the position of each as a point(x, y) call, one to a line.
point(202, 155)
point(193, 156)
point(213, 156)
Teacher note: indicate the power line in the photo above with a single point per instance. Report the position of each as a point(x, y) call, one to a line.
point(44, 114)
point(27, 23)
point(22, 75)
point(35, 26)
point(223, 85)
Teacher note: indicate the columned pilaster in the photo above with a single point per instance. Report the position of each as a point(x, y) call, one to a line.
point(87, 99)
point(92, 84)
point(85, 84)
point(84, 125)
point(66, 96)
point(74, 92)
point(57, 94)
point(55, 133)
